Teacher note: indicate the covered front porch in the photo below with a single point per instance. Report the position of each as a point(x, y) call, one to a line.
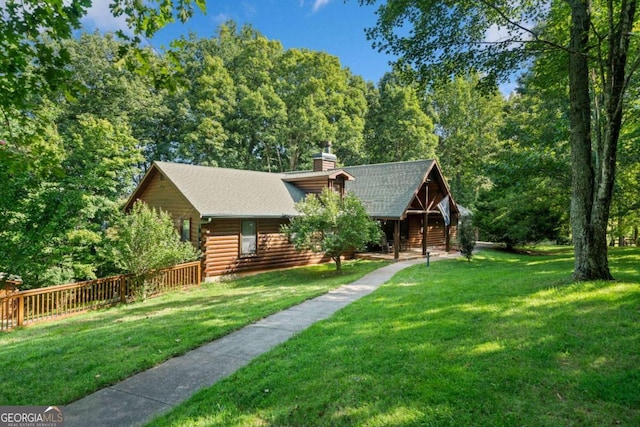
point(412, 203)
point(412, 237)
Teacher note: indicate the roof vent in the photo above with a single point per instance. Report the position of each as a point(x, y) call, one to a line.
point(327, 147)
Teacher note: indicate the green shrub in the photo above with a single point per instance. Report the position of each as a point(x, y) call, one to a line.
point(144, 241)
point(466, 238)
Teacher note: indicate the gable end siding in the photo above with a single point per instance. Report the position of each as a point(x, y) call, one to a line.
point(160, 193)
point(313, 185)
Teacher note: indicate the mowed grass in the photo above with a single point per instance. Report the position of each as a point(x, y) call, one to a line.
point(54, 363)
point(506, 340)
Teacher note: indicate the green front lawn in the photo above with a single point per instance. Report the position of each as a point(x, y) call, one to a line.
point(54, 363)
point(506, 340)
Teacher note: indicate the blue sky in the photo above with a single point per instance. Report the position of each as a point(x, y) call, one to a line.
point(333, 26)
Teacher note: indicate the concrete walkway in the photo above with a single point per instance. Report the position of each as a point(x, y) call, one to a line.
point(138, 399)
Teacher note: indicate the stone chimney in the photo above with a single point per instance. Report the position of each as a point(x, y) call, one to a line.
point(325, 160)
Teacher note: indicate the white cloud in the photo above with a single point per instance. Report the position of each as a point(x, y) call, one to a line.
point(221, 18)
point(318, 4)
point(99, 17)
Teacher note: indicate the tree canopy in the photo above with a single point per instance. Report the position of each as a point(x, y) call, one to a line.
point(591, 42)
point(32, 64)
point(70, 153)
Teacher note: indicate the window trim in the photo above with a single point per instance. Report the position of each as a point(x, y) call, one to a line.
point(246, 236)
point(184, 221)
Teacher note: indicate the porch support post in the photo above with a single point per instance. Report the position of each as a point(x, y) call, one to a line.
point(396, 240)
point(425, 221)
point(425, 224)
point(447, 238)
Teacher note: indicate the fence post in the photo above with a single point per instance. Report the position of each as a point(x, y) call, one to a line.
point(199, 273)
point(20, 319)
point(123, 289)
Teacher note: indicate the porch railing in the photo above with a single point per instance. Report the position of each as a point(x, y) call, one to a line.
point(26, 307)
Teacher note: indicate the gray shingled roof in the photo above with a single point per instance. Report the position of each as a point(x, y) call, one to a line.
point(387, 189)
point(220, 192)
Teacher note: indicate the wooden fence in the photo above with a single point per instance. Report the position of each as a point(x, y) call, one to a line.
point(26, 307)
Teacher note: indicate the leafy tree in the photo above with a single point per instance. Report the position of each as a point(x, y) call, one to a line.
point(65, 169)
point(528, 197)
point(109, 91)
point(145, 240)
point(592, 41)
point(514, 214)
point(272, 107)
point(397, 128)
point(53, 215)
point(625, 211)
point(212, 100)
point(257, 121)
point(322, 104)
point(332, 225)
point(33, 65)
point(468, 125)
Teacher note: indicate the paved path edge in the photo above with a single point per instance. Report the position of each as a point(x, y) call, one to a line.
point(138, 399)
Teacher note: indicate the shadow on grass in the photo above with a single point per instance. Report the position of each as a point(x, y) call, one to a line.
point(504, 340)
point(58, 362)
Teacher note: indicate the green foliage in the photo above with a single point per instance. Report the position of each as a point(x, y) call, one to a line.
point(527, 199)
point(67, 160)
point(397, 127)
point(54, 198)
point(589, 45)
point(35, 65)
point(332, 225)
point(212, 100)
point(625, 210)
point(250, 104)
point(466, 237)
point(144, 241)
point(468, 123)
point(436, 40)
point(507, 216)
point(324, 103)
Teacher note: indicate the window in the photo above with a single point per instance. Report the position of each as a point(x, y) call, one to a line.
point(249, 238)
point(185, 230)
point(337, 185)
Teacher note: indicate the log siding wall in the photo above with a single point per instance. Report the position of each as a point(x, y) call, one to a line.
point(435, 232)
point(221, 247)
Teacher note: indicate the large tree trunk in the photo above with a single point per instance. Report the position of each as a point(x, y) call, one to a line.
point(592, 190)
point(581, 164)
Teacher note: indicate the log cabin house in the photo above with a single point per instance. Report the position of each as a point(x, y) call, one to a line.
point(234, 216)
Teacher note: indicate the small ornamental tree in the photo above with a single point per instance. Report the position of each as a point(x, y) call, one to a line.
point(466, 238)
point(144, 241)
point(332, 225)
